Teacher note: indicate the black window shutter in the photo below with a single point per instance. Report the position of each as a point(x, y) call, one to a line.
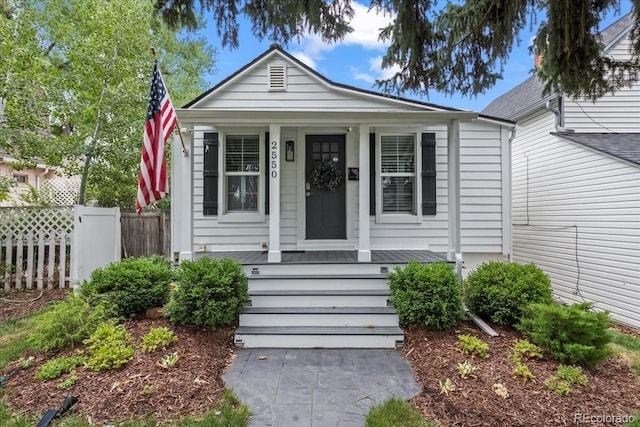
point(428, 174)
point(210, 175)
point(267, 156)
point(372, 174)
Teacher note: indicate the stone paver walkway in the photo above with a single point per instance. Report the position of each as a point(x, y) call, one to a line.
point(317, 387)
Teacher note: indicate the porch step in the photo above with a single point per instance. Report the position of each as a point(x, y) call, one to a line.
point(320, 298)
point(319, 305)
point(319, 316)
point(319, 337)
point(275, 269)
point(318, 281)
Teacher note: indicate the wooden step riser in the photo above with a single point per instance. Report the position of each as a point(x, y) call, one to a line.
point(319, 301)
point(318, 341)
point(317, 284)
point(337, 320)
point(309, 269)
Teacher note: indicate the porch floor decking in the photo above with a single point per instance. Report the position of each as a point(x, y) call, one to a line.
point(333, 257)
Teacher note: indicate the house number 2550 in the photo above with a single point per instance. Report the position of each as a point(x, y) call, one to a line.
point(274, 159)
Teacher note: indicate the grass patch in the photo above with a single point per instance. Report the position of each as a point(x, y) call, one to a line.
point(229, 412)
point(13, 342)
point(627, 347)
point(395, 413)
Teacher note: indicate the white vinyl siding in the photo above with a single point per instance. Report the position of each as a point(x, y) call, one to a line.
point(303, 92)
point(209, 230)
point(576, 214)
point(614, 112)
point(481, 198)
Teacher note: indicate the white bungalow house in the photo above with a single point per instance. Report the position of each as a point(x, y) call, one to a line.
point(309, 183)
point(576, 187)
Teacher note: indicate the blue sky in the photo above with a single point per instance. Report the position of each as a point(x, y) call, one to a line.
point(356, 60)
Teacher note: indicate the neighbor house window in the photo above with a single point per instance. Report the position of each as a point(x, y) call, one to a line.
point(398, 174)
point(242, 174)
point(20, 179)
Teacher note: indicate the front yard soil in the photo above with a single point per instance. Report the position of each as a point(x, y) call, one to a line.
point(613, 388)
point(142, 388)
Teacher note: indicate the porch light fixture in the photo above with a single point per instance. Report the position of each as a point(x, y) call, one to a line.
point(289, 151)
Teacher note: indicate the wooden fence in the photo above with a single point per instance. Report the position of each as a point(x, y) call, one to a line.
point(146, 234)
point(35, 243)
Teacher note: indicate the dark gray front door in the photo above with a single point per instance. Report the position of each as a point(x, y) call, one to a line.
point(325, 207)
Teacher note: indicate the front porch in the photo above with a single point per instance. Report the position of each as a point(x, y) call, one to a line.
point(395, 257)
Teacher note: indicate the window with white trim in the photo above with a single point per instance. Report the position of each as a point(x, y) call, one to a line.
point(242, 173)
point(398, 174)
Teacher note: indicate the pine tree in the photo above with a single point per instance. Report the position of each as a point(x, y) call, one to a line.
point(459, 48)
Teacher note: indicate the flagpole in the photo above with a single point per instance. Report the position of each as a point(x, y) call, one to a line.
point(184, 149)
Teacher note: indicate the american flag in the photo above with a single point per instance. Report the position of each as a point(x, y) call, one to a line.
point(153, 183)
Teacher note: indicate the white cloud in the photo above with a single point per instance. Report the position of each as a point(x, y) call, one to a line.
point(375, 72)
point(375, 66)
point(305, 59)
point(366, 26)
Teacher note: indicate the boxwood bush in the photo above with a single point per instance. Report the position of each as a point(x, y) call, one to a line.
point(500, 291)
point(129, 287)
point(208, 292)
point(572, 334)
point(427, 294)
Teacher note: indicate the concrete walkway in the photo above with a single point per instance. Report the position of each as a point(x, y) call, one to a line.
point(317, 387)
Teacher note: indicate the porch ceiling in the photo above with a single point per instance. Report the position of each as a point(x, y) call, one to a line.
point(300, 117)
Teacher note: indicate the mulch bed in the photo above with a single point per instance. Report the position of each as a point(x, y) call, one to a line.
point(613, 388)
point(142, 388)
point(17, 304)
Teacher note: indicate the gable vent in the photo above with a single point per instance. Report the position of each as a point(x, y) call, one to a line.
point(277, 77)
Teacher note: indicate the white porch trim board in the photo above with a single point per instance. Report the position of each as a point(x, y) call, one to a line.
point(182, 196)
point(454, 252)
point(364, 244)
point(506, 136)
point(274, 195)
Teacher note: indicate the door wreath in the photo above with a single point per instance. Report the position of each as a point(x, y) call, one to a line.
point(326, 176)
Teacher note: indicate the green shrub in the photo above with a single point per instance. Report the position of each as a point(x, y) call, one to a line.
point(500, 291)
point(565, 377)
point(474, 346)
point(131, 286)
point(109, 346)
point(54, 368)
point(65, 324)
point(427, 294)
point(208, 292)
point(572, 334)
point(522, 370)
point(157, 337)
point(572, 374)
point(68, 383)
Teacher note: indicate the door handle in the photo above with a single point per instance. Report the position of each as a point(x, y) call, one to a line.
point(308, 193)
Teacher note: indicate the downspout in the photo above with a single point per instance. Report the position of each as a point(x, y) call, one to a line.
point(558, 121)
point(46, 171)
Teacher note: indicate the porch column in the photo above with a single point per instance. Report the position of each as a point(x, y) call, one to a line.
point(453, 179)
point(364, 248)
point(273, 175)
point(181, 197)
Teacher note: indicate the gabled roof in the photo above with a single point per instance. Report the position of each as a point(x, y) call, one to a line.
point(529, 94)
point(277, 49)
point(625, 146)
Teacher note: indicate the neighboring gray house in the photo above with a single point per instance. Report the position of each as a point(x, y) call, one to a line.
point(576, 188)
point(309, 183)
